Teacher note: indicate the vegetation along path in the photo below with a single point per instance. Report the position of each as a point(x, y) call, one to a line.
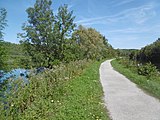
point(124, 100)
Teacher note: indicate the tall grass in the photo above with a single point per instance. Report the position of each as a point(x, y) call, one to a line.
point(63, 93)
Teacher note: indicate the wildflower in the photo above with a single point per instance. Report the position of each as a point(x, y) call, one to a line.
point(52, 101)
point(66, 78)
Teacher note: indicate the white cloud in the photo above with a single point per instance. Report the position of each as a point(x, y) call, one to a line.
point(129, 27)
point(137, 30)
point(90, 21)
point(71, 5)
point(141, 14)
point(137, 15)
point(122, 3)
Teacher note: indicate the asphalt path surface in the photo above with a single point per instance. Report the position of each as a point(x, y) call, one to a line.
point(123, 99)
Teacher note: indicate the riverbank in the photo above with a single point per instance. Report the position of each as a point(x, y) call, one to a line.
point(71, 91)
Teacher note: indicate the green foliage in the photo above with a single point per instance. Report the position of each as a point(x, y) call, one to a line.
point(3, 56)
point(131, 53)
point(91, 44)
point(59, 93)
point(150, 53)
point(46, 35)
point(3, 86)
point(147, 70)
point(13, 56)
point(63, 29)
point(126, 62)
point(52, 39)
point(39, 39)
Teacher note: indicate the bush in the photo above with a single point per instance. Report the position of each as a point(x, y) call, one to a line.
point(126, 62)
point(147, 70)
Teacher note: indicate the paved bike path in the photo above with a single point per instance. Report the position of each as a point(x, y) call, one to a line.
point(123, 99)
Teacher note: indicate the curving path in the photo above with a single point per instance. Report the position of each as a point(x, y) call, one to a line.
point(124, 100)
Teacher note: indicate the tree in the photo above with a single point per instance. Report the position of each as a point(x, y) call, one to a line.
point(91, 44)
point(47, 35)
point(64, 27)
point(2, 55)
point(150, 53)
point(39, 39)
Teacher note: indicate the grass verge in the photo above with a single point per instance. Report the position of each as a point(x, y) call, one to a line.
point(69, 92)
point(151, 85)
point(84, 97)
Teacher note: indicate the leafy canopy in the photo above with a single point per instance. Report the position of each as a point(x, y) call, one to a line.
point(46, 34)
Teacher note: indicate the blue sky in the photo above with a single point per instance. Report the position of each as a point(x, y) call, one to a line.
point(125, 23)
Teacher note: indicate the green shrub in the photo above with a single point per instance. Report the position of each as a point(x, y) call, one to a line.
point(126, 62)
point(147, 70)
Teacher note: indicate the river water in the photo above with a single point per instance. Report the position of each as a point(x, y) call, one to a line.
point(14, 74)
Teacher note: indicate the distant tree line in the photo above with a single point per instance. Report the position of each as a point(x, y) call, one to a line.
point(3, 24)
point(12, 56)
point(150, 53)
